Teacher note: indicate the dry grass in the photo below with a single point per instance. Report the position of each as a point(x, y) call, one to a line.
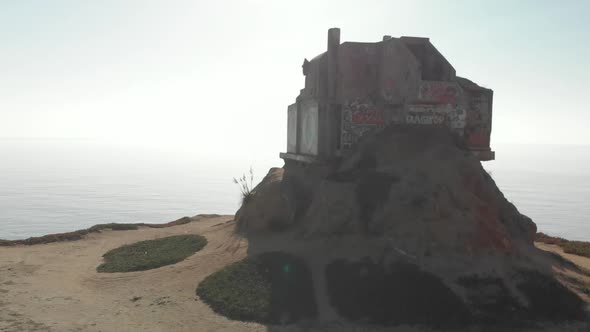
point(79, 234)
point(580, 248)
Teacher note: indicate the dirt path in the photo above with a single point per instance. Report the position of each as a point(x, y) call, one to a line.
point(583, 262)
point(55, 287)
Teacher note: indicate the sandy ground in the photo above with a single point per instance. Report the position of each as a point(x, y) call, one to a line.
point(55, 287)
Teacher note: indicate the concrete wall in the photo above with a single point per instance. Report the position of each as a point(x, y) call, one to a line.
point(308, 140)
point(399, 73)
point(437, 92)
point(316, 84)
point(434, 66)
point(292, 128)
point(479, 119)
point(359, 67)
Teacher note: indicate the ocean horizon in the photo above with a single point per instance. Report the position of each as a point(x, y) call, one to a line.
point(56, 186)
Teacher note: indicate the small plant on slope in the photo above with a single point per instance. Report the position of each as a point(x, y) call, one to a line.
point(246, 184)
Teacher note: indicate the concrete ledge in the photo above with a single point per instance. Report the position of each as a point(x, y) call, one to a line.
point(484, 155)
point(298, 157)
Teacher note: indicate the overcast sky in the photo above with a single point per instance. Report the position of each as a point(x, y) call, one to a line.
point(217, 76)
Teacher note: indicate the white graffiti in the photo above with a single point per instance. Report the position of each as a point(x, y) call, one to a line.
point(455, 118)
point(425, 119)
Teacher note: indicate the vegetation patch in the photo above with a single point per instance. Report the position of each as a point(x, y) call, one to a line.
point(548, 299)
point(151, 254)
point(246, 184)
point(273, 288)
point(397, 294)
point(580, 248)
point(114, 227)
point(79, 234)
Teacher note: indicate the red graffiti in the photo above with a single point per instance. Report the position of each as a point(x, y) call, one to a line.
point(439, 93)
point(390, 84)
point(477, 138)
point(372, 117)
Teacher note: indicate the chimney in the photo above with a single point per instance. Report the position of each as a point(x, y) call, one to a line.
point(333, 38)
point(333, 43)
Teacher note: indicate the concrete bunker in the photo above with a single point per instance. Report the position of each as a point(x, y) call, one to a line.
point(357, 88)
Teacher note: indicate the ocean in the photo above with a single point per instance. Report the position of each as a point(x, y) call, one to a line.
point(54, 186)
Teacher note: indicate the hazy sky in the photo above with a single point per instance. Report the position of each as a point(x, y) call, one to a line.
point(217, 76)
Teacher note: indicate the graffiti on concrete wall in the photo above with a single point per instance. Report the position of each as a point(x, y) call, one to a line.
point(477, 132)
point(368, 117)
point(359, 118)
point(436, 115)
point(439, 92)
point(477, 136)
point(478, 109)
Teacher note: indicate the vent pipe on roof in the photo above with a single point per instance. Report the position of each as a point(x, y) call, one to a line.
point(333, 43)
point(333, 38)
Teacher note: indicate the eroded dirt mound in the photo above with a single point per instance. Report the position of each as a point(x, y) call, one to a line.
point(270, 207)
point(412, 195)
point(411, 184)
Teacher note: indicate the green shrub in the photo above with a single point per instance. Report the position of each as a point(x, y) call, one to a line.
point(271, 288)
point(114, 227)
point(151, 254)
point(79, 234)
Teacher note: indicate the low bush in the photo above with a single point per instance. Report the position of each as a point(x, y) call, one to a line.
point(114, 227)
point(577, 248)
point(273, 288)
point(151, 254)
point(79, 234)
point(580, 248)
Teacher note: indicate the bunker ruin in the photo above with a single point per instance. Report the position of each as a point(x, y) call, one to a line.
point(357, 88)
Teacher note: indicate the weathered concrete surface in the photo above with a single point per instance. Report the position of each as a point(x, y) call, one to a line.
point(354, 89)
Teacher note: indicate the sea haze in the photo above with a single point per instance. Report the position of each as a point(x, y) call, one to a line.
point(59, 186)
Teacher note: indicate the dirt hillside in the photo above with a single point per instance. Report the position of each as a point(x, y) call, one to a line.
point(412, 218)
